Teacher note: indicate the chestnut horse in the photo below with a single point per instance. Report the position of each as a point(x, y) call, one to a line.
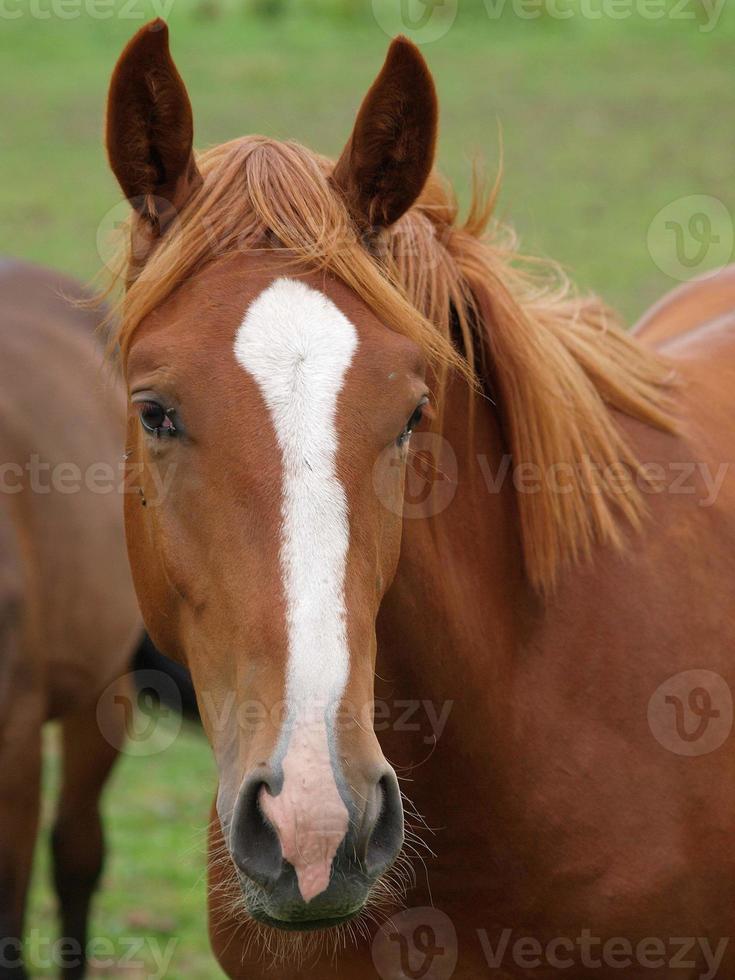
point(302, 341)
point(68, 616)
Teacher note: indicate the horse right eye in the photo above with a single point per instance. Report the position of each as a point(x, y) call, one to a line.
point(155, 418)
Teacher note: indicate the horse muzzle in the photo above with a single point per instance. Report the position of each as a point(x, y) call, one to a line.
point(308, 860)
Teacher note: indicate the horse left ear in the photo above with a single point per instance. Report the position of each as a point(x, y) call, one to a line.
point(385, 164)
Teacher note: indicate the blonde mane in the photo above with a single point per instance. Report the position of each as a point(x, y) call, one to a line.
point(558, 362)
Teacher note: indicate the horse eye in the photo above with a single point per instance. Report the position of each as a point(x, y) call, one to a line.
point(155, 418)
point(415, 420)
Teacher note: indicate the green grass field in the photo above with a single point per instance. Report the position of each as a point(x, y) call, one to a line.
point(604, 122)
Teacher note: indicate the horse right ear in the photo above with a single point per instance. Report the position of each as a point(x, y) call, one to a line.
point(150, 132)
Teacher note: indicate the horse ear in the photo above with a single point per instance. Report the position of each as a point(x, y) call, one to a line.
point(384, 166)
point(150, 132)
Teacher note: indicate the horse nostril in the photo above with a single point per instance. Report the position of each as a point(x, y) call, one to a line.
point(386, 839)
point(254, 844)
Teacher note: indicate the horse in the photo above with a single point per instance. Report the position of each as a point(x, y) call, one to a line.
point(69, 621)
point(306, 344)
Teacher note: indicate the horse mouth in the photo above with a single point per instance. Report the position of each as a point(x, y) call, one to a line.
point(284, 909)
point(303, 924)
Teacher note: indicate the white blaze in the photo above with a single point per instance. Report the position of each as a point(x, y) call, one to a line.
point(297, 345)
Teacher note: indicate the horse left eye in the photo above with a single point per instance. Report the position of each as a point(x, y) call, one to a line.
point(415, 420)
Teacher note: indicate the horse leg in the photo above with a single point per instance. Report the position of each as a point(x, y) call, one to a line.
point(20, 765)
point(90, 746)
point(21, 717)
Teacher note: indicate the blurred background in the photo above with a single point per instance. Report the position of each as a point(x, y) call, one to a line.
point(616, 119)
